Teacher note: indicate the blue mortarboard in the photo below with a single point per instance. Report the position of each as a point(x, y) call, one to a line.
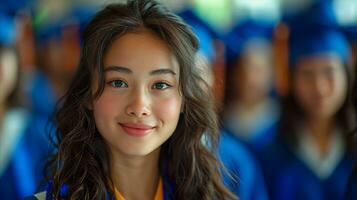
point(7, 30)
point(316, 31)
point(246, 31)
point(12, 6)
point(203, 31)
point(318, 41)
point(320, 13)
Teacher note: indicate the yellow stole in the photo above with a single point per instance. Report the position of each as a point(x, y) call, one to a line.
point(159, 195)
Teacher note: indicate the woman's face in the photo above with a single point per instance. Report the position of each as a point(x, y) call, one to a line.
point(254, 76)
point(320, 85)
point(141, 103)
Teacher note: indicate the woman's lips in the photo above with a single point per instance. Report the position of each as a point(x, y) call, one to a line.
point(137, 130)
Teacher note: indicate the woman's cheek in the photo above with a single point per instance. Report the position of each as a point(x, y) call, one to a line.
point(168, 108)
point(108, 104)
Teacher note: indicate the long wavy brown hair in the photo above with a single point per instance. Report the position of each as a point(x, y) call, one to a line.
point(82, 160)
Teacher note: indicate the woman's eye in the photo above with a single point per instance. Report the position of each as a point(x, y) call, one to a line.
point(161, 86)
point(118, 84)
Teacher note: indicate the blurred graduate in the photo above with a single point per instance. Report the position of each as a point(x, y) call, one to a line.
point(313, 157)
point(251, 110)
point(242, 174)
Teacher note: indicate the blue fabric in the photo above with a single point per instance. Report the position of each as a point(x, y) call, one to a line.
point(243, 33)
point(12, 186)
point(24, 174)
point(43, 103)
point(351, 193)
point(168, 191)
point(264, 136)
point(289, 178)
point(42, 96)
point(241, 164)
point(19, 178)
point(203, 31)
point(315, 31)
point(7, 30)
point(11, 6)
point(319, 14)
point(318, 41)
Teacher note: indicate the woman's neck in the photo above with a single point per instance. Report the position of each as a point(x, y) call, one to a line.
point(321, 131)
point(136, 177)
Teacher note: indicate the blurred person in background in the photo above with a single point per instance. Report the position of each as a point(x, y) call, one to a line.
point(242, 174)
point(313, 157)
point(26, 142)
point(15, 181)
point(57, 53)
point(251, 111)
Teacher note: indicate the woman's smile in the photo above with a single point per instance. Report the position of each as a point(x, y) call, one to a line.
point(137, 129)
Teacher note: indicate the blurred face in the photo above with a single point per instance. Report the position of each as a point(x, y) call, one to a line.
point(320, 85)
point(140, 106)
point(8, 73)
point(253, 76)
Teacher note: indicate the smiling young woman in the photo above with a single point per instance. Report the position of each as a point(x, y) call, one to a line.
point(132, 121)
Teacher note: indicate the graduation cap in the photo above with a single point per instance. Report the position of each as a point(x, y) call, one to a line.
point(203, 31)
point(316, 31)
point(7, 30)
point(245, 32)
point(320, 13)
point(12, 6)
point(318, 41)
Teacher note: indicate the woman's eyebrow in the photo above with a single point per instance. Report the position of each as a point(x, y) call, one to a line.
point(118, 69)
point(129, 71)
point(162, 71)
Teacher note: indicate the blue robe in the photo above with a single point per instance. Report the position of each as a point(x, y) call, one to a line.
point(24, 175)
point(351, 192)
point(288, 177)
point(241, 164)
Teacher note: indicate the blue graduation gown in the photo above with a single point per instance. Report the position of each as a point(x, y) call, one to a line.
point(237, 159)
point(351, 192)
point(24, 174)
point(288, 177)
point(167, 187)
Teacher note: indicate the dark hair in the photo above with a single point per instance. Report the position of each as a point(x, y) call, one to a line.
point(292, 113)
point(82, 159)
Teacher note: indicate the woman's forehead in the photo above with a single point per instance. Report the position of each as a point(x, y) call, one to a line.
point(323, 60)
point(140, 51)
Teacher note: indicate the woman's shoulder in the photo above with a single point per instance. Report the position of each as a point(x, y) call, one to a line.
point(38, 196)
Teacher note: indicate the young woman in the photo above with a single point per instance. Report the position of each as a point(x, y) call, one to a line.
point(132, 121)
point(315, 157)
